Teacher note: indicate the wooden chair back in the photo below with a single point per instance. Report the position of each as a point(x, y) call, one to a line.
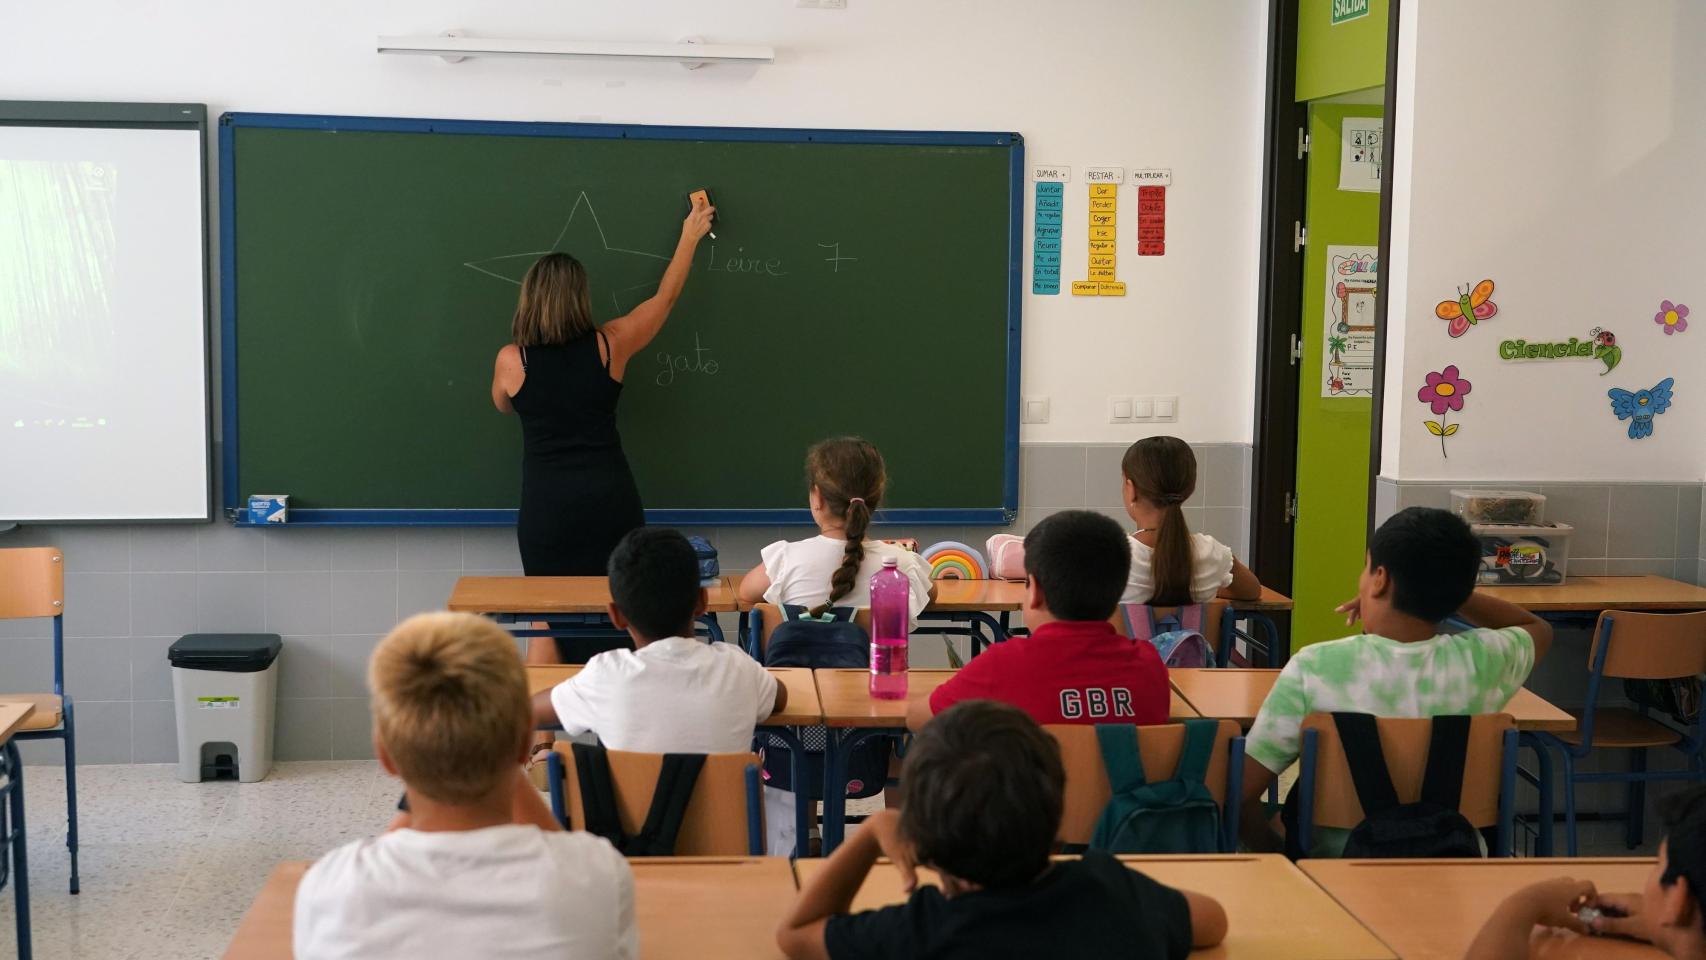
point(1087, 788)
point(32, 582)
point(715, 824)
point(770, 617)
point(1651, 646)
point(1405, 744)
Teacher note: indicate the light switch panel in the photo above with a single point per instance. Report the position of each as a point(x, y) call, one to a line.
point(1036, 410)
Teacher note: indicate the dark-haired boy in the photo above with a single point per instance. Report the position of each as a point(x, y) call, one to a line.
point(1668, 913)
point(672, 693)
point(1421, 569)
point(1074, 667)
point(983, 787)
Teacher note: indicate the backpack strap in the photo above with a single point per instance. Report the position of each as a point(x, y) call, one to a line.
point(794, 611)
point(1120, 756)
point(1140, 621)
point(1360, 737)
point(669, 805)
point(1190, 617)
point(1198, 748)
point(598, 794)
point(1448, 753)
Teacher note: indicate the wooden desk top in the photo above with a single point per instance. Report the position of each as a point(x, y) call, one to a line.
point(1181, 708)
point(1457, 897)
point(967, 596)
point(1271, 599)
point(803, 709)
point(555, 595)
point(845, 696)
point(12, 716)
point(1234, 694)
point(1604, 593)
point(1274, 912)
point(681, 904)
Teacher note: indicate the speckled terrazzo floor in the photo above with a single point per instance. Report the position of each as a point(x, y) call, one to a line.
point(169, 868)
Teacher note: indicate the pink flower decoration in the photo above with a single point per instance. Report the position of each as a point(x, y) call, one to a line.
point(1445, 390)
point(1672, 316)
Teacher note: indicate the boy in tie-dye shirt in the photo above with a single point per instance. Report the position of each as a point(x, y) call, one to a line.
point(1421, 569)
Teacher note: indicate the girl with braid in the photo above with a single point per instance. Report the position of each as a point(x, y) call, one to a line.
point(845, 478)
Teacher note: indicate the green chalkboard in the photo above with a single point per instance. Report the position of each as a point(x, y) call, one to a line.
point(859, 283)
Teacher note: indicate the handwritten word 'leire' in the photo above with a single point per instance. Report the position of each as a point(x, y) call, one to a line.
point(744, 264)
point(674, 363)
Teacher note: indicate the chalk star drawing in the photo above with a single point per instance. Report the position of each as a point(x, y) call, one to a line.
point(512, 267)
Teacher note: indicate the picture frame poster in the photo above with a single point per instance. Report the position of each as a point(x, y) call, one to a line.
point(1347, 343)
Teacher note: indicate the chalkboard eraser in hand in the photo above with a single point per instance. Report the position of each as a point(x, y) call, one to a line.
point(704, 195)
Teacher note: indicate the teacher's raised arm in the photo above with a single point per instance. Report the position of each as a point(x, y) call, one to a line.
point(629, 334)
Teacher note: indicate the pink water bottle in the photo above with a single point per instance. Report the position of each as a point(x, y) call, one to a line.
point(891, 621)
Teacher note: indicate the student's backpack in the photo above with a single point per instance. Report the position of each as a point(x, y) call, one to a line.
point(1176, 636)
point(1431, 827)
point(1168, 816)
point(663, 819)
point(707, 557)
point(830, 641)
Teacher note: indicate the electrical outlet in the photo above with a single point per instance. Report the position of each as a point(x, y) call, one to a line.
point(1036, 410)
point(1119, 409)
point(1143, 408)
point(1167, 408)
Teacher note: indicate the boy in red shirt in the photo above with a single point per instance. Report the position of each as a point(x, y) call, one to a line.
point(1074, 667)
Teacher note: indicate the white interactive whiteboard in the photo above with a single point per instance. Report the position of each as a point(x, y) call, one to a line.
point(103, 313)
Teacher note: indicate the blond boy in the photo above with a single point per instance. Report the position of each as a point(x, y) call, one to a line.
point(463, 879)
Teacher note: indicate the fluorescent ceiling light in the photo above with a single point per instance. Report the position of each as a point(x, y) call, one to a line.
point(453, 47)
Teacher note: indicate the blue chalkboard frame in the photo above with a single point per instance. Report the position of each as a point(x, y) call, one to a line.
point(235, 506)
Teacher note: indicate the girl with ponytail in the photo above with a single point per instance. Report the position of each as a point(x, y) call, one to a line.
point(1170, 565)
point(845, 480)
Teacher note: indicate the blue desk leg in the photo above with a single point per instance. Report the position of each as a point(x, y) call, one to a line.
point(712, 627)
point(839, 746)
point(1542, 773)
point(20, 868)
point(804, 805)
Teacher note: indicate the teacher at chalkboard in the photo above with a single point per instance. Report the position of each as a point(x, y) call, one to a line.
point(562, 376)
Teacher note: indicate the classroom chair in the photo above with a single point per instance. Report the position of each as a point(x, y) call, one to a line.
point(1633, 646)
point(32, 584)
point(766, 617)
point(1217, 627)
point(1088, 790)
point(1327, 795)
point(724, 818)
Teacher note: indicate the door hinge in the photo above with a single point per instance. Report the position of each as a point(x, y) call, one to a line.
point(1296, 349)
point(1299, 236)
point(1302, 142)
point(1290, 507)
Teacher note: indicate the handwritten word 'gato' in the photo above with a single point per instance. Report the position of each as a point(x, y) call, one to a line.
point(674, 363)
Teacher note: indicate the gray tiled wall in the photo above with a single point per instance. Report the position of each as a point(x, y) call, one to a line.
point(332, 593)
point(1621, 529)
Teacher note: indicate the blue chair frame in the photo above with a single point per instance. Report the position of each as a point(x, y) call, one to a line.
point(16, 868)
point(1306, 792)
point(555, 772)
point(67, 732)
point(1637, 777)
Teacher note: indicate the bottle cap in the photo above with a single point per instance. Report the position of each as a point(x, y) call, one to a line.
point(890, 563)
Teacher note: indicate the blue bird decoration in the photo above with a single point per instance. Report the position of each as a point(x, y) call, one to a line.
point(1640, 407)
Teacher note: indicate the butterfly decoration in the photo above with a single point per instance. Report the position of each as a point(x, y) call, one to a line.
point(1470, 307)
point(1640, 407)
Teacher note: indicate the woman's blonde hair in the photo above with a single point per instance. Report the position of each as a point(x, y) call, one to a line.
point(850, 477)
point(555, 305)
point(450, 704)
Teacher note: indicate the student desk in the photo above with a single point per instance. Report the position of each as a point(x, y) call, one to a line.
point(682, 906)
point(852, 716)
point(584, 600)
point(1432, 909)
point(1589, 595)
point(1273, 911)
point(1233, 694)
point(12, 716)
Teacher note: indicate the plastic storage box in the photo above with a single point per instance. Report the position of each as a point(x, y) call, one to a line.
point(1523, 554)
point(224, 685)
point(1499, 506)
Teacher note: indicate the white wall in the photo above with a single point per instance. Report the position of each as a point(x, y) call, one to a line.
point(1175, 83)
point(1556, 148)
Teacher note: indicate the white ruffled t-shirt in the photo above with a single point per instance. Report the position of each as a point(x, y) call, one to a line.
point(1211, 570)
point(800, 571)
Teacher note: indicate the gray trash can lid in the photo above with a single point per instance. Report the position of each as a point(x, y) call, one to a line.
point(230, 652)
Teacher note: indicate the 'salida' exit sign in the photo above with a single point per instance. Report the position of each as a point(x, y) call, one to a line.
point(1349, 10)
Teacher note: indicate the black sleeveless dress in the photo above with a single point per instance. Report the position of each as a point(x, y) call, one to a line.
point(578, 497)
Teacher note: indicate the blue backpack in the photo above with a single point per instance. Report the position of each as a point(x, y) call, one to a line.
point(1170, 816)
point(1177, 636)
point(830, 641)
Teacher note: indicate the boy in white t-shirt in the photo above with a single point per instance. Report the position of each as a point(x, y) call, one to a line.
point(1170, 565)
point(672, 693)
point(450, 716)
point(846, 478)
